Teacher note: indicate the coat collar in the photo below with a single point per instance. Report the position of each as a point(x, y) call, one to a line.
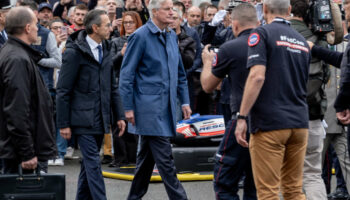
point(153, 28)
point(33, 54)
point(78, 39)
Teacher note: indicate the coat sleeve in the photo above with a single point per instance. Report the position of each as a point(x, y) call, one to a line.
point(133, 55)
point(188, 53)
point(17, 103)
point(66, 80)
point(117, 106)
point(331, 57)
point(55, 57)
point(197, 63)
point(182, 88)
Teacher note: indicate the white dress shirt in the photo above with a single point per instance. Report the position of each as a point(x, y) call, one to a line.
point(93, 46)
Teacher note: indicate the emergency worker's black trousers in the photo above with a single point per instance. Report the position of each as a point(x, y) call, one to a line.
point(156, 150)
point(232, 161)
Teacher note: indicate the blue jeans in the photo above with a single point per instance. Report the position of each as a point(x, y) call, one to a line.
point(61, 144)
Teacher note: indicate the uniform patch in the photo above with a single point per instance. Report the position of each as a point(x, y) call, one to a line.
point(253, 39)
point(215, 60)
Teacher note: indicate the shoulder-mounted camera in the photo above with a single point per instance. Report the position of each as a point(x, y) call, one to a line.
point(320, 16)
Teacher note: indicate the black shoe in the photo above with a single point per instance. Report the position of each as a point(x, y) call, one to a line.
point(339, 194)
point(106, 160)
point(113, 164)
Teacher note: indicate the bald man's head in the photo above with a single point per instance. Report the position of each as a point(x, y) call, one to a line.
point(194, 16)
point(21, 22)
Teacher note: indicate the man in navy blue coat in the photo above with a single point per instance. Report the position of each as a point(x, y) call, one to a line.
point(87, 94)
point(152, 77)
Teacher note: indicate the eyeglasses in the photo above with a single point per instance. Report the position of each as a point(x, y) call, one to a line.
point(56, 27)
point(128, 23)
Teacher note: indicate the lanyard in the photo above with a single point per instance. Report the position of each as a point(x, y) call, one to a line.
point(281, 20)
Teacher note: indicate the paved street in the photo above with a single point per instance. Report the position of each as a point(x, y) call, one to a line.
point(118, 189)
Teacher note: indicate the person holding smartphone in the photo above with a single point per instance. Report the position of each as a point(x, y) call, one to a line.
point(60, 31)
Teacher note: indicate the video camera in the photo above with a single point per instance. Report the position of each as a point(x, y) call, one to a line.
point(320, 16)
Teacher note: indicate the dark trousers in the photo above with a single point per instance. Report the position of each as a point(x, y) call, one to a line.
point(90, 184)
point(155, 150)
point(331, 159)
point(1, 165)
point(232, 161)
point(125, 148)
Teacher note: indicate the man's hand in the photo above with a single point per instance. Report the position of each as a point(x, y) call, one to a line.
point(241, 130)
point(129, 115)
point(139, 5)
point(186, 110)
point(344, 116)
point(121, 126)
point(61, 38)
point(207, 56)
point(311, 44)
point(66, 133)
point(123, 49)
point(30, 164)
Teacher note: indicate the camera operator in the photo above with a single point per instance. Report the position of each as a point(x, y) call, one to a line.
point(341, 60)
point(317, 104)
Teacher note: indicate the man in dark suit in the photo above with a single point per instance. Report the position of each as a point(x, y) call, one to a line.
point(5, 6)
point(152, 78)
point(87, 94)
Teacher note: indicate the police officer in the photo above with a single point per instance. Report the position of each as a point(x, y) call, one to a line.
point(275, 93)
point(231, 160)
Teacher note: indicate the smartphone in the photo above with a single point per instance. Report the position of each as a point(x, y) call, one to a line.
point(64, 30)
point(119, 13)
point(214, 48)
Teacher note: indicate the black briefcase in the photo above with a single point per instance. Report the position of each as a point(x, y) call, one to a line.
point(34, 186)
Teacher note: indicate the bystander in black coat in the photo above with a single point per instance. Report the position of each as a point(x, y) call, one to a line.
point(187, 47)
point(26, 110)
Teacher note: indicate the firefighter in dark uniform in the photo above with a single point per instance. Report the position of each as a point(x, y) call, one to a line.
point(231, 160)
point(275, 99)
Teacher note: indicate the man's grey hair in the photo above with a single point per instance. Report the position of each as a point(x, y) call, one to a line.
point(101, 7)
point(93, 17)
point(245, 14)
point(119, 3)
point(154, 4)
point(71, 11)
point(278, 6)
point(178, 11)
point(17, 19)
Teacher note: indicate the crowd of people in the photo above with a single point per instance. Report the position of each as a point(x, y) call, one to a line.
point(119, 74)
